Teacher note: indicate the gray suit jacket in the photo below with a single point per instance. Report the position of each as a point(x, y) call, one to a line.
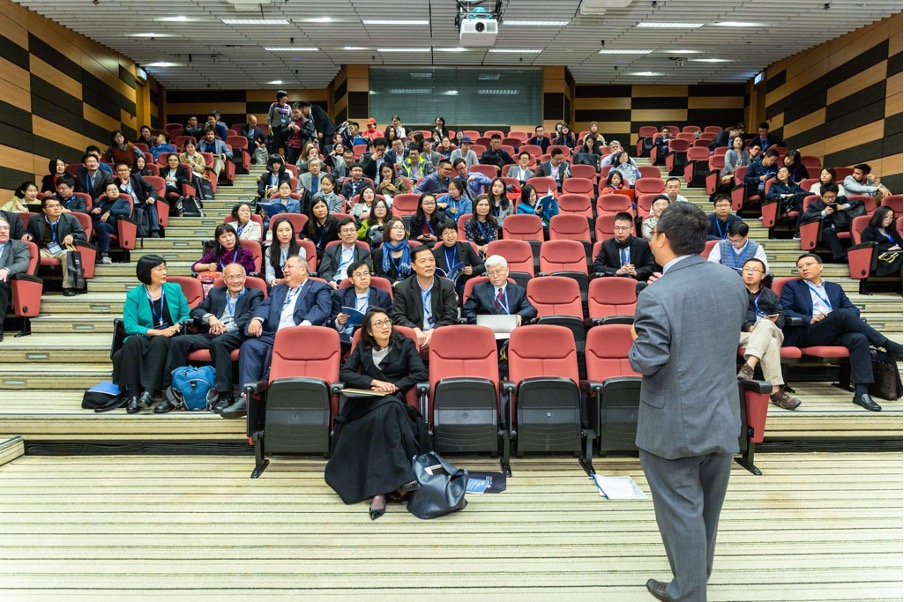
point(687, 324)
point(15, 257)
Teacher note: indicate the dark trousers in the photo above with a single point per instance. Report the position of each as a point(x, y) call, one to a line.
point(103, 230)
point(141, 362)
point(830, 237)
point(5, 294)
point(153, 217)
point(687, 499)
point(221, 346)
point(842, 327)
point(254, 358)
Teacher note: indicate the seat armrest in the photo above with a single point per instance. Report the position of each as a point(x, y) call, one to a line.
point(756, 386)
point(256, 387)
point(794, 321)
point(336, 388)
point(591, 386)
point(862, 245)
point(423, 391)
point(22, 276)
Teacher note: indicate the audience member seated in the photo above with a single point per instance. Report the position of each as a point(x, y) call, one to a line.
point(220, 151)
point(214, 123)
point(464, 152)
point(26, 194)
point(121, 151)
point(432, 157)
point(298, 301)
point(90, 179)
point(882, 231)
point(144, 196)
point(284, 240)
point(721, 218)
point(193, 128)
point(393, 259)
point(174, 175)
point(415, 166)
point(834, 217)
point(438, 181)
point(356, 183)
point(396, 154)
point(498, 296)
point(56, 168)
point(625, 255)
point(53, 232)
point(615, 147)
point(521, 171)
point(496, 155)
point(340, 160)
point(539, 139)
point(360, 207)
point(660, 204)
point(424, 225)
point(327, 193)
point(372, 228)
point(373, 160)
point(308, 153)
point(245, 227)
point(391, 185)
point(795, 167)
point(274, 175)
point(861, 182)
point(311, 179)
point(662, 144)
point(760, 171)
point(194, 159)
point(456, 260)
point(482, 228)
point(761, 334)
point(145, 136)
point(361, 296)
point(737, 248)
point(615, 181)
point(830, 318)
point(673, 190)
point(223, 316)
point(598, 139)
point(376, 437)
point(141, 168)
point(565, 137)
point(257, 142)
point(161, 145)
point(66, 195)
point(226, 249)
point(764, 139)
point(786, 192)
point(321, 227)
point(16, 227)
point(556, 168)
point(95, 150)
point(284, 202)
point(152, 315)
point(455, 203)
point(371, 132)
point(623, 164)
point(724, 137)
point(477, 183)
point(14, 259)
point(736, 157)
point(424, 301)
point(826, 177)
point(445, 147)
point(106, 209)
point(499, 200)
point(337, 259)
point(587, 153)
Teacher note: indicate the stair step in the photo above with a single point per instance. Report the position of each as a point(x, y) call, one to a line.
point(64, 323)
point(65, 376)
point(54, 347)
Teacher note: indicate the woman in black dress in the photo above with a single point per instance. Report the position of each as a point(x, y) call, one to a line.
point(376, 437)
point(881, 230)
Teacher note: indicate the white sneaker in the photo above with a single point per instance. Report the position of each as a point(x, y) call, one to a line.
point(106, 259)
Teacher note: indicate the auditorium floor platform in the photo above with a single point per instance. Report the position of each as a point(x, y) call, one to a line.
point(812, 527)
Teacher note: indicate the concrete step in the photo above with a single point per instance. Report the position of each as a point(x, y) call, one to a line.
point(63, 323)
point(52, 348)
point(67, 375)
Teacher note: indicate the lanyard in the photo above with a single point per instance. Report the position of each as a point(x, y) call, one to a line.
point(503, 302)
point(53, 228)
point(737, 259)
point(230, 307)
point(625, 254)
point(397, 265)
point(290, 296)
point(239, 229)
point(322, 228)
point(821, 298)
point(235, 257)
point(451, 254)
point(484, 233)
point(756, 305)
point(890, 238)
point(722, 235)
point(428, 310)
point(158, 318)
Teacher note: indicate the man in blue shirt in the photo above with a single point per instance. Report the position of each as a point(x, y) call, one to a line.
point(437, 182)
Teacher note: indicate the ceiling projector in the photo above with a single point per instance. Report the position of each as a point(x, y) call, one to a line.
point(477, 28)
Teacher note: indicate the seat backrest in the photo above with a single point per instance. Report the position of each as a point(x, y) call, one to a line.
point(649, 186)
point(811, 161)
point(577, 204)
point(298, 220)
point(568, 226)
point(491, 133)
point(858, 225)
point(34, 258)
point(250, 282)
point(649, 171)
point(543, 185)
point(463, 351)
point(612, 203)
point(606, 351)
point(842, 172)
point(690, 129)
point(542, 350)
point(698, 153)
point(611, 297)
point(310, 250)
point(577, 185)
point(588, 172)
point(708, 247)
point(256, 252)
point(405, 203)
point(517, 253)
point(533, 149)
point(555, 296)
point(522, 227)
point(84, 220)
point(716, 161)
point(714, 129)
point(237, 142)
point(565, 149)
point(894, 201)
point(254, 217)
point(683, 137)
point(647, 131)
point(318, 357)
point(191, 288)
point(605, 227)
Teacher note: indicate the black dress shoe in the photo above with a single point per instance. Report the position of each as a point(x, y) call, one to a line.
point(164, 406)
point(223, 401)
point(236, 410)
point(132, 407)
point(155, 234)
point(867, 402)
point(657, 588)
point(69, 292)
point(146, 400)
point(894, 350)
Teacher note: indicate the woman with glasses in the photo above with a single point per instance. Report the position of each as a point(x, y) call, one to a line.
point(377, 435)
point(393, 259)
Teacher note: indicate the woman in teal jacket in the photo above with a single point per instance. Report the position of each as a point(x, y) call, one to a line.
point(152, 314)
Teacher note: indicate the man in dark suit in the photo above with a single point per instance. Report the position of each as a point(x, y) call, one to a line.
point(144, 196)
point(338, 258)
point(361, 295)
point(424, 301)
point(556, 168)
point(52, 231)
point(371, 162)
point(14, 259)
point(764, 139)
point(496, 155)
point(829, 318)
point(689, 417)
point(835, 217)
point(625, 255)
point(16, 227)
point(539, 139)
point(65, 192)
point(92, 180)
point(725, 137)
point(498, 296)
point(299, 301)
point(322, 123)
point(223, 315)
point(257, 142)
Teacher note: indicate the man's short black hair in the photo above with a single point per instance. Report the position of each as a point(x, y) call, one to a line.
point(66, 179)
point(415, 251)
point(673, 178)
point(556, 152)
point(811, 255)
point(302, 104)
point(764, 125)
point(354, 266)
point(772, 153)
point(281, 94)
point(92, 149)
point(721, 197)
point(145, 264)
point(623, 216)
point(356, 164)
point(685, 225)
point(86, 155)
point(495, 137)
point(446, 161)
point(380, 141)
point(458, 162)
point(759, 261)
point(344, 222)
point(830, 188)
point(863, 167)
point(739, 228)
point(522, 153)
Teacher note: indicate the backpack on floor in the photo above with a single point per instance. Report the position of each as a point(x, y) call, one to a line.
point(192, 388)
point(189, 206)
point(140, 217)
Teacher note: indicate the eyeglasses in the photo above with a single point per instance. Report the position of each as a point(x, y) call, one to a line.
point(752, 271)
point(381, 323)
point(398, 228)
point(360, 274)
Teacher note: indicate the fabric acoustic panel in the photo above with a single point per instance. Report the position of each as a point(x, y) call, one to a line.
point(841, 101)
point(59, 92)
point(234, 105)
point(620, 110)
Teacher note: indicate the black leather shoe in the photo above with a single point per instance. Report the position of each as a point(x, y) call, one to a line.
point(657, 588)
point(146, 400)
point(164, 406)
point(132, 407)
point(223, 401)
point(69, 292)
point(155, 234)
point(894, 350)
point(865, 401)
point(236, 410)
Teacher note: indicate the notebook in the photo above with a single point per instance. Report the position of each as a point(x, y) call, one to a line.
point(501, 325)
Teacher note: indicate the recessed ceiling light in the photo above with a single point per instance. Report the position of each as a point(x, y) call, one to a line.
point(623, 51)
point(410, 91)
point(255, 21)
point(499, 92)
point(669, 25)
point(710, 60)
point(516, 50)
point(291, 49)
point(164, 64)
point(179, 19)
point(275, 82)
point(681, 52)
point(646, 73)
point(740, 24)
point(319, 20)
point(535, 23)
point(354, 48)
point(403, 50)
point(450, 93)
point(395, 21)
point(458, 49)
point(149, 35)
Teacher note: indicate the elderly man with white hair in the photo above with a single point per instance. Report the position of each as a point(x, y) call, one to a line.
point(498, 296)
point(615, 147)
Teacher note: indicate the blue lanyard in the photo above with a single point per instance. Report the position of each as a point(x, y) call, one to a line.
point(756, 305)
point(235, 257)
point(240, 229)
point(430, 226)
point(53, 228)
point(158, 318)
point(322, 233)
point(722, 235)
point(821, 298)
point(428, 310)
point(737, 259)
point(451, 258)
point(484, 233)
point(398, 266)
point(891, 238)
point(504, 301)
point(290, 296)
point(230, 307)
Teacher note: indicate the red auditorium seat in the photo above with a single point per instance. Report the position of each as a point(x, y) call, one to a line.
point(254, 217)
point(895, 202)
point(697, 165)
point(714, 175)
point(588, 172)
point(676, 158)
point(567, 257)
point(811, 233)
point(533, 149)
point(191, 288)
point(26, 290)
point(614, 387)
point(241, 155)
point(126, 229)
point(649, 186)
point(490, 171)
point(645, 140)
point(611, 300)
point(543, 185)
point(575, 204)
point(612, 203)
point(520, 258)
point(405, 204)
point(649, 171)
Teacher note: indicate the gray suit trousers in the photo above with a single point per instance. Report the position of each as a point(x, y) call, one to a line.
point(687, 497)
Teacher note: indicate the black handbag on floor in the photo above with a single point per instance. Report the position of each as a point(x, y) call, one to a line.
point(442, 487)
point(886, 378)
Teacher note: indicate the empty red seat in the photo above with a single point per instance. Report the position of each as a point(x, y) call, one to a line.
point(575, 204)
point(588, 172)
point(575, 185)
point(26, 289)
point(611, 300)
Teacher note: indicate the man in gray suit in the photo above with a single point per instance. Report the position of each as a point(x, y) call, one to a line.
point(689, 417)
point(13, 260)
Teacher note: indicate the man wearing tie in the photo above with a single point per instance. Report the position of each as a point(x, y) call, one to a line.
point(498, 296)
point(361, 295)
point(13, 260)
point(338, 258)
point(299, 301)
